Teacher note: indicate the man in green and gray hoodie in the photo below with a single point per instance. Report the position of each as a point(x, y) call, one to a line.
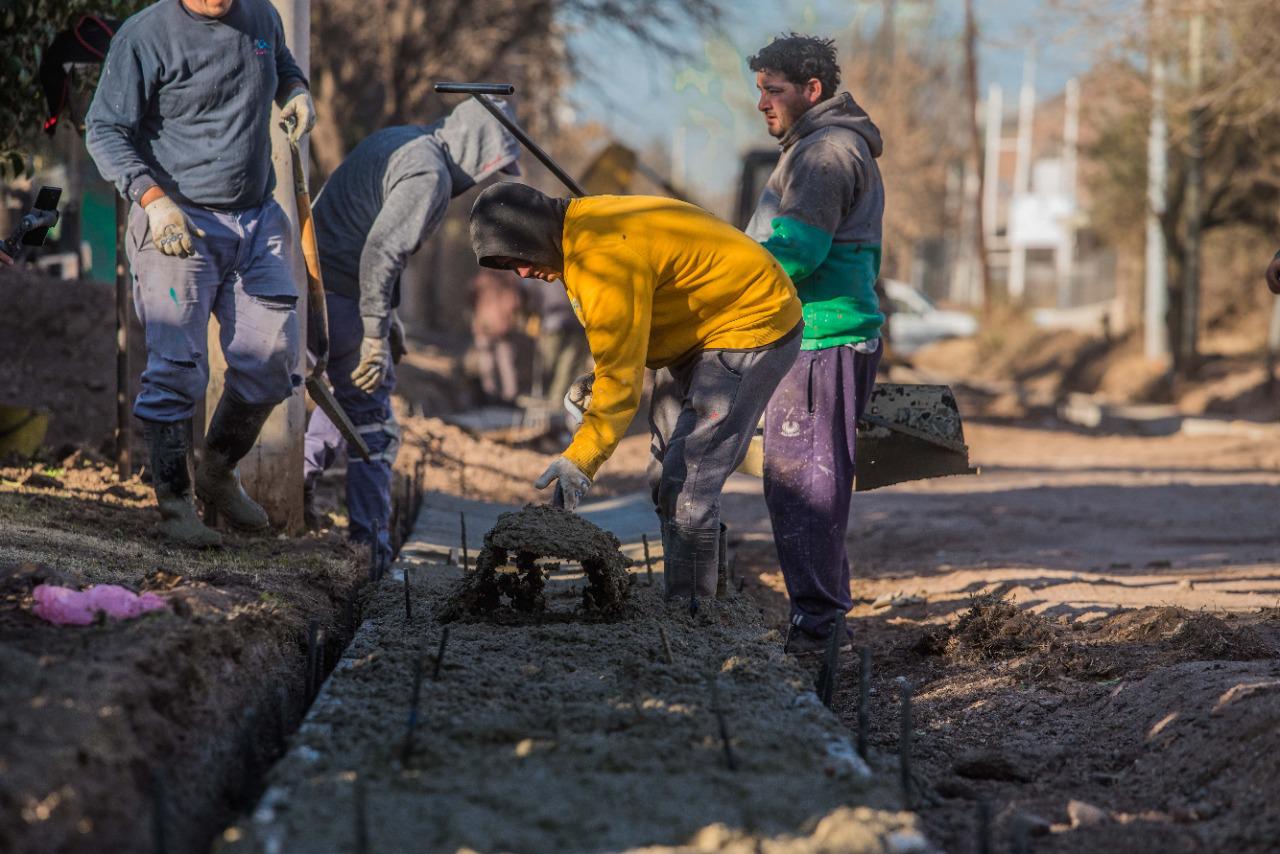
point(820, 215)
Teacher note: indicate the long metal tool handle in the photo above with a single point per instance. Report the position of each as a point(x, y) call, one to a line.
point(481, 92)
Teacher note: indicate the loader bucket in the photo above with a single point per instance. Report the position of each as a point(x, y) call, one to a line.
point(909, 432)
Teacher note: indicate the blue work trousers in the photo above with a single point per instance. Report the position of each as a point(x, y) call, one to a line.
point(368, 484)
point(241, 274)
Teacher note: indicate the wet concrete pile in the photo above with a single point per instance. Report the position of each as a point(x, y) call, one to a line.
point(535, 533)
point(651, 731)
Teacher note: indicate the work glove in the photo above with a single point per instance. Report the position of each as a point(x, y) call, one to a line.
point(395, 337)
point(298, 114)
point(171, 230)
point(578, 399)
point(1273, 274)
point(573, 483)
point(375, 361)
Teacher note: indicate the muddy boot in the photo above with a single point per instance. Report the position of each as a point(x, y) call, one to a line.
point(169, 443)
point(722, 564)
point(232, 432)
point(313, 519)
point(689, 557)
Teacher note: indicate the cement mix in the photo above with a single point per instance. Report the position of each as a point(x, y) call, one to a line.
point(566, 735)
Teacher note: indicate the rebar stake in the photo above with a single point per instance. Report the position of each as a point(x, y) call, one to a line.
point(826, 681)
point(729, 759)
point(444, 639)
point(864, 699)
point(904, 741)
point(693, 604)
point(666, 645)
point(786, 643)
point(408, 604)
point(648, 562)
point(361, 818)
point(462, 521)
point(1021, 835)
point(159, 815)
point(313, 628)
point(984, 826)
point(407, 750)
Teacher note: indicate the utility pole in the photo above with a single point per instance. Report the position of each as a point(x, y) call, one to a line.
point(975, 146)
point(1066, 254)
point(272, 471)
point(1022, 172)
point(1188, 349)
point(1156, 333)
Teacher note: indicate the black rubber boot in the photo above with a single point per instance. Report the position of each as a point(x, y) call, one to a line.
point(313, 519)
point(232, 431)
point(689, 561)
point(170, 445)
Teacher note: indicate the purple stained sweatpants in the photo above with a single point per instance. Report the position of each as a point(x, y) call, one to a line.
point(809, 433)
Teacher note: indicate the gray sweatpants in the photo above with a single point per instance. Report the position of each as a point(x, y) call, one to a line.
point(704, 412)
point(240, 274)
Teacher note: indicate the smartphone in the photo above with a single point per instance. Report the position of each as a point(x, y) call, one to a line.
point(46, 200)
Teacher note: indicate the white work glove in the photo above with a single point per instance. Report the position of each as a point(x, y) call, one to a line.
point(573, 483)
point(375, 361)
point(395, 337)
point(577, 400)
point(171, 230)
point(298, 114)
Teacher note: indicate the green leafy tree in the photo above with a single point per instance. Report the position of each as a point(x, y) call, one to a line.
point(27, 27)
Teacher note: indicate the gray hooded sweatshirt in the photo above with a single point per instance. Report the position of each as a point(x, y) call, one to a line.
point(391, 193)
point(821, 216)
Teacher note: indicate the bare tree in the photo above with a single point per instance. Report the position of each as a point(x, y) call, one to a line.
point(375, 60)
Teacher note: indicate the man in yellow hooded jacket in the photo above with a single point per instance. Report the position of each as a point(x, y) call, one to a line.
point(662, 284)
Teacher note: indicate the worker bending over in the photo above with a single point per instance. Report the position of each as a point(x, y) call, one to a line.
point(387, 197)
point(181, 122)
point(658, 283)
point(820, 215)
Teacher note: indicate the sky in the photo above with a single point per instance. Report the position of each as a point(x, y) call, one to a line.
point(703, 111)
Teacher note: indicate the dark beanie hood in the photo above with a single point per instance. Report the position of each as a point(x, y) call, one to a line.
point(516, 221)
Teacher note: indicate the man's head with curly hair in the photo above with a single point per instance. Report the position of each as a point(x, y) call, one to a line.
point(800, 59)
point(793, 73)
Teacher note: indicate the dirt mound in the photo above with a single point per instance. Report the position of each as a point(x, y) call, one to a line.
point(995, 629)
point(539, 531)
point(1183, 635)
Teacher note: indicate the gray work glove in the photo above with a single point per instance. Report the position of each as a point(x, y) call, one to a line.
point(573, 483)
point(578, 399)
point(375, 361)
point(298, 114)
point(171, 230)
point(396, 338)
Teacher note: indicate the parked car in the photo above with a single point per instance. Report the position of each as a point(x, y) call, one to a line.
point(915, 321)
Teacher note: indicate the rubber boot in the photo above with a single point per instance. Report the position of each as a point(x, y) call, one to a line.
point(689, 558)
point(170, 445)
point(722, 564)
point(313, 519)
point(232, 431)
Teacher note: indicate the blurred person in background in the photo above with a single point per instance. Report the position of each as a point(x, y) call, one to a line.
point(497, 310)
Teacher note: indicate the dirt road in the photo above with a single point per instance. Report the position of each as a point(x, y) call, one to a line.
point(1137, 673)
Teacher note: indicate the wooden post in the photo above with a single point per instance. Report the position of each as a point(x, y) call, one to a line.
point(272, 471)
point(124, 465)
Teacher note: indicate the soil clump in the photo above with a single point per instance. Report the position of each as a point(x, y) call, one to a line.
point(540, 531)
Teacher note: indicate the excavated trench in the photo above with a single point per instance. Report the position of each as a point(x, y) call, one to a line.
point(470, 713)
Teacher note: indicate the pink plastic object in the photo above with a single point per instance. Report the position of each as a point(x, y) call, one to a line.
point(63, 606)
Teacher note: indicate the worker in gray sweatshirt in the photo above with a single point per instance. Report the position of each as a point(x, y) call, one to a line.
point(821, 216)
point(387, 197)
point(181, 123)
